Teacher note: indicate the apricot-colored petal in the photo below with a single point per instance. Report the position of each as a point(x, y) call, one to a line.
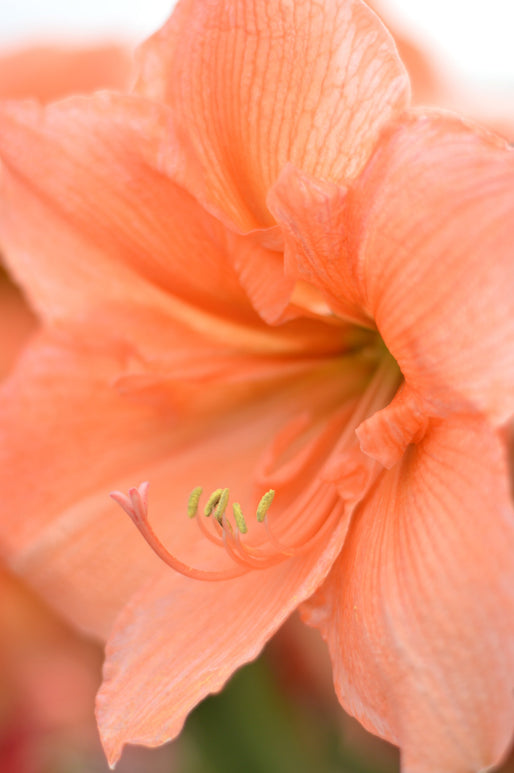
point(52, 72)
point(67, 434)
point(95, 232)
point(258, 259)
point(180, 639)
point(313, 216)
point(261, 273)
point(253, 86)
point(75, 426)
point(434, 211)
point(418, 611)
point(428, 85)
point(87, 217)
point(423, 244)
point(386, 435)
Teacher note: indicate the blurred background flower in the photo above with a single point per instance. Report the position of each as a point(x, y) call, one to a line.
point(49, 674)
point(54, 71)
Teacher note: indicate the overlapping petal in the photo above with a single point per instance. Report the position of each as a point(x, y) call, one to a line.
point(180, 639)
point(67, 393)
point(418, 610)
point(159, 638)
point(56, 527)
point(436, 259)
point(429, 84)
point(87, 216)
point(423, 241)
point(253, 86)
point(317, 239)
point(96, 233)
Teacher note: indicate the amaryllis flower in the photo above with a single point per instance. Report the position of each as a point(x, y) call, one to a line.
point(260, 276)
point(48, 72)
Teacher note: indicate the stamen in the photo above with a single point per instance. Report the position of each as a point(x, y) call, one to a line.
point(247, 557)
point(239, 518)
point(192, 504)
point(212, 501)
point(264, 505)
point(221, 505)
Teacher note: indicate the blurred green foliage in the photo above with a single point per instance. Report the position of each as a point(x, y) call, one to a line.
point(253, 726)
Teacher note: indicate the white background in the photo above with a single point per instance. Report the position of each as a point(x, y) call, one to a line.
point(470, 37)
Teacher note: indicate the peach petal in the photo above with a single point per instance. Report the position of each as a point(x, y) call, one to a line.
point(67, 433)
point(428, 84)
point(206, 348)
point(253, 86)
point(53, 72)
point(86, 186)
point(261, 273)
point(386, 435)
point(179, 640)
point(434, 211)
point(258, 258)
point(314, 218)
point(418, 611)
point(80, 178)
point(424, 253)
point(71, 435)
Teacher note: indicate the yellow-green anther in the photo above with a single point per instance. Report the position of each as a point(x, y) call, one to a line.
point(192, 503)
point(264, 505)
point(213, 501)
point(239, 518)
point(222, 505)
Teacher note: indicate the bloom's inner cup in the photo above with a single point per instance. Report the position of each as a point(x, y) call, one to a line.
point(323, 454)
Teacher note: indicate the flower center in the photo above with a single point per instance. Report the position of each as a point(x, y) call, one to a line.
point(310, 516)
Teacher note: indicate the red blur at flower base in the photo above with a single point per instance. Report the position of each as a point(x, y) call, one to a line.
point(48, 676)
